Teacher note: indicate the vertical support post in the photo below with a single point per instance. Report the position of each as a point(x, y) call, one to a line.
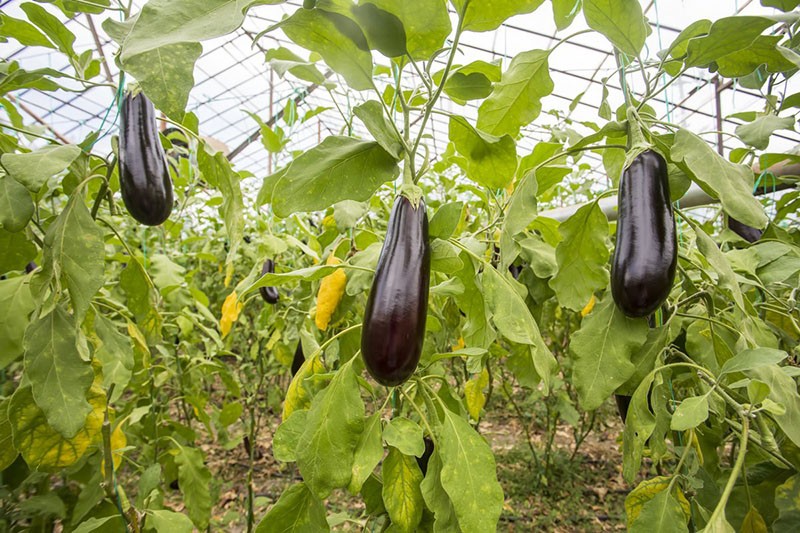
point(271, 102)
point(718, 101)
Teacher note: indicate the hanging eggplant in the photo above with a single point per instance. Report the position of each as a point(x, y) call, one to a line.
point(748, 233)
point(394, 320)
point(269, 294)
point(646, 252)
point(143, 175)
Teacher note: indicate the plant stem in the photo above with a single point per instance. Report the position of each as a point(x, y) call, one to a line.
point(719, 510)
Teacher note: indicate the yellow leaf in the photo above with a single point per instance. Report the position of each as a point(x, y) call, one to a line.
point(331, 291)
point(228, 274)
point(589, 306)
point(230, 313)
point(329, 222)
point(473, 391)
point(300, 393)
point(44, 448)
point(118, 442)
point(753, 522)
point(646, 491)
point(510, 188)
point(459, 345)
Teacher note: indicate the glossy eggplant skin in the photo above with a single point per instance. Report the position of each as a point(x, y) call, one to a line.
point(422, 461)
point(748, 233)
point(394, 320)
point(269, 294)
point(143, 175)
point(299, 358)
point(646, 252)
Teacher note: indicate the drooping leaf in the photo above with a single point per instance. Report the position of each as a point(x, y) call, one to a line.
point(758, 132)
point(194, 479)
point(59, 376)
point(621, 21)
point(602, 350)
point(284, 60)
point(426, 23)
point(16, 206)
point(368, 453)
point(16, 305)
point(491, 160)
point(340, 168)
point(582, 257)
point(726, 36)
point(468, 475)
point(115, 353)
point(326, 449)
point(720, 178)
point(401, 490)
point(436, 499)
point(371, 114)
point(44, 448)
point(33, 169)
point(142, 299)
point(23, 31)
point(763, 52)
point(516, 101)
point(296, 511)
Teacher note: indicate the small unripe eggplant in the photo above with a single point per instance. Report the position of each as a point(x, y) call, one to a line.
point(397, 307)
point(299, 358)
point(748, 233)
point(646, 252)
point(269, 294)
point(144, 178)
point(30, 267)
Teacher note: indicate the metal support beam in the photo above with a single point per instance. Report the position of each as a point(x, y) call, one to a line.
point(38, 119)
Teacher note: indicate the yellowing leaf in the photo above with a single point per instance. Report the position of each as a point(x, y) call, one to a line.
point(646, 491)
point(401, 490)
point(231, 308)
point(459, 345)
point(589, 306)
point(473, 391)
point(228, 274)
point(118, 442)
point(44, 448)
point(753, 522)
point(331, 291)
point(299, 394)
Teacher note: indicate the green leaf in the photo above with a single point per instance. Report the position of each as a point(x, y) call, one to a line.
point(194, 479)
point(74, 254)
point(23, 31)
point(165, 521)
point(97, 524)
point(726, 36)
point(783, 391)
point(325, 452)
point(369, 452)
point(217, 169)
point(426, 23)
point(17, 250)
point(477, 331)
point(783, 5)
point(621, 21)
point(57, 31)
point(690, 413)
point(405, 435)
point(753, 522)
point(445, 257)
point(284, 442)
point(284, 60)
point(383, 30)
point(582, 257)
point(489, 15)
point(371, 114)
point(33, 169)
point(639, 425)
point(522, 209)
point(565, 11)
point(517, 100)
point(662, 514)
point(445, 221)
point(491, 160)
point(16, 206)
point(718, 177)
point(462, 87)
point(341, 168)
point(786, 497)
point(7, 451)
point(751, 359)
point(115, 353)
point(764, 51)
point(758, 132)
point(436, 499)
point(296, 511)
point(644, 359)
point(59, 376)
point(726, 277)
point(142, 299)
point(402, 496)
point(44, 448)
point(318, 31)
point(602, 349)
point(16, 305)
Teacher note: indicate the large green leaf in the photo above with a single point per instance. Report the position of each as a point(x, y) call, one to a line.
point(194, 479)
point(16, 305)
point(720, 178)
point(764, 51)
point(321, 32)
point(565, 11)
point(469, 475)
point(758, 132)
point(296, 511)
point(74, 254)
point(426, 23)
point(436, 499)
point(115, 353)
point(44, 448)
point(17, 250)
point(405, 435)
point(16, 206)
point(491, 160)
point(33, 169)
point(621, 21)
point(58, 374)
point(488, 15)
point(325, 452)
point(55, 30)
point(368, 453)
point(726, 36)
point(340, 168)
point(662, 514)
point(401, 490)
point(517, 100)
point(582, 257)
point(602, 349)
point(23, 31)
